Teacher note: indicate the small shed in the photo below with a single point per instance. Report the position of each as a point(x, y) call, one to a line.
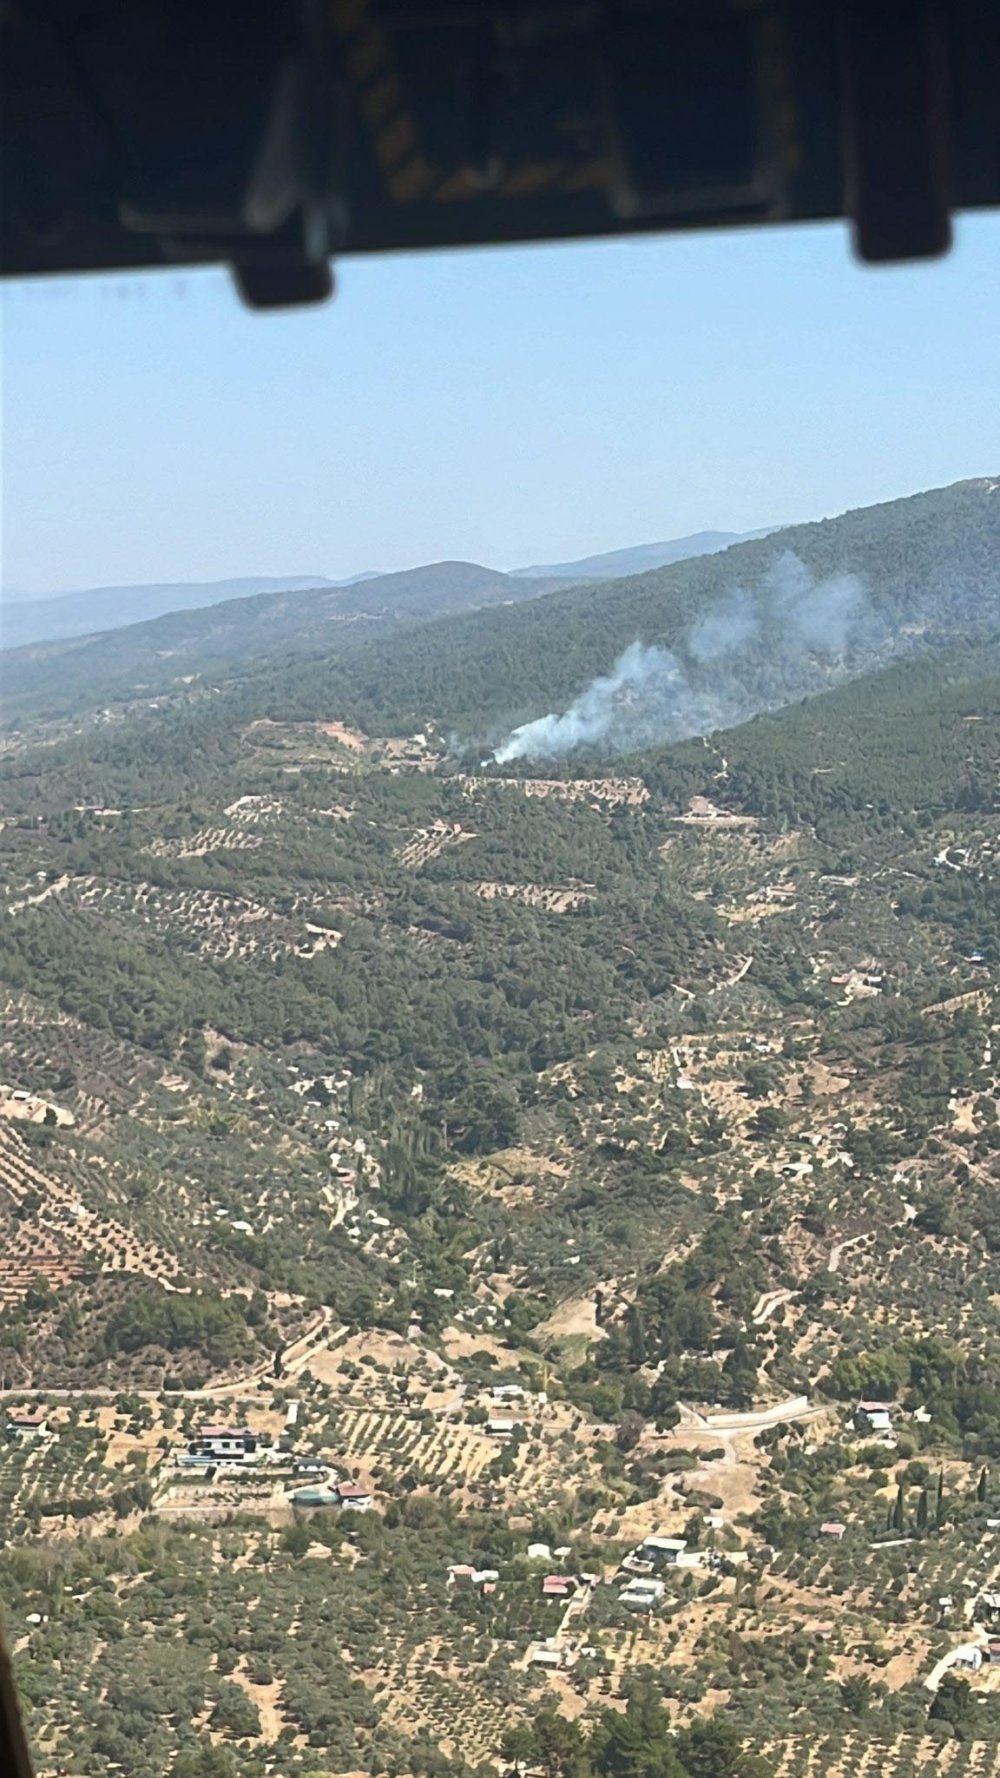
point(558, 1586)
point(461, 1574)
point(642, 1595)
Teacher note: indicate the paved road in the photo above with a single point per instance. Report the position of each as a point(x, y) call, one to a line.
point(796, 1407)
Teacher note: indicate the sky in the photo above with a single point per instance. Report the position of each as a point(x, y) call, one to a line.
point(506, 406)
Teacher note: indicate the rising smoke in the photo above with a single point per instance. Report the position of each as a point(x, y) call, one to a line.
point(654, 695)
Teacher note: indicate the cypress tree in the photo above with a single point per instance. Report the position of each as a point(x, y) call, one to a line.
point(636, 1335)
point(923, 1511)
point(899, 1510)
point(981, 1487)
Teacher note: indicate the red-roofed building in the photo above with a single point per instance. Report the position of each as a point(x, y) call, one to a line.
point(461, 1574)
point(558, 1586)
point(233, 1442)
point(354, 1498)
point(28, 1425)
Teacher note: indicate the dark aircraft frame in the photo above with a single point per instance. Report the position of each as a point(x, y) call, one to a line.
point(276, 135)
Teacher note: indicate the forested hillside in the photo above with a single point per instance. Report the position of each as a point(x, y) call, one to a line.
point(927, 571)
point(166, 650)
point(911, 576)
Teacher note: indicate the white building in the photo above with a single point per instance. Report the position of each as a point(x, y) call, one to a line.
point(662, 1552)
point(233, 1443)
point(28, 1425)
point(642, 1595)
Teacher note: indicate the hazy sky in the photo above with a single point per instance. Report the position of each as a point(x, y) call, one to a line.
point(507, 406)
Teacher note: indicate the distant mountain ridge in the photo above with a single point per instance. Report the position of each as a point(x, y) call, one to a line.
point(61, 616)
point(640, 558)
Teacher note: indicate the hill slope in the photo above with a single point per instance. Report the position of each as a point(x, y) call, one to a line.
point(770, 620)
point(916, 574)
point(180, 642)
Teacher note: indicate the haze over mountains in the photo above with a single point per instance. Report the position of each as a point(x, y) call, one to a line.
point(64, 615)
point(61, 616)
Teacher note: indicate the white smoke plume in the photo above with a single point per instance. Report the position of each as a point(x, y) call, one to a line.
point(653, 695)
point(636, 695)
point(724, 628)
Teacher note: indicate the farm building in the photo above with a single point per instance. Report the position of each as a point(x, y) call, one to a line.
point(233, 1442)
point(558, 1586)
point(354, 1498)
point(657, 1552)
point(969, 1656)
point(28, 1425)
point(873, 1416)
point(310, 1466)
point(545, 1657)
point(832, 1528)
point(507, 1392)
point(642, 1595)
point(539, 1552)
point(460, 1574)
point(500, 1428)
